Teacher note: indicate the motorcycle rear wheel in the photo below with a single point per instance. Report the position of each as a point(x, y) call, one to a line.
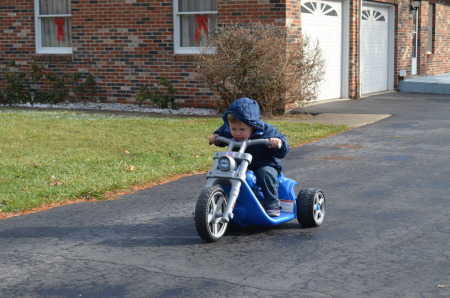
point(208, 213)
point(310, 207)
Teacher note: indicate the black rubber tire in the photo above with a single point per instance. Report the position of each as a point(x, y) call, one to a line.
point(310, 207)
point(210, 228)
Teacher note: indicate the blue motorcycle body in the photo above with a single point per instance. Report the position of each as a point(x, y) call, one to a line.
point(248, 210)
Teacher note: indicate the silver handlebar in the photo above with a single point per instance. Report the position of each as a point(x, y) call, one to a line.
point(244, 144)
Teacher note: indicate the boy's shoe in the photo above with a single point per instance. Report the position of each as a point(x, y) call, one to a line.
point(273, 212)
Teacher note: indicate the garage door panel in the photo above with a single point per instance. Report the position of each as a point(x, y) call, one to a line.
point(322, 21)
point(374, 49)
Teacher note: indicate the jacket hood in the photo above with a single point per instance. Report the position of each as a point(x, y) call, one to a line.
point(246, 110)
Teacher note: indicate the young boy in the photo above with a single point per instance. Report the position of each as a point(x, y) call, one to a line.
point(242, 121)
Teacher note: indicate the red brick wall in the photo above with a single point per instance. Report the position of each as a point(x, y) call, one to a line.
point(436, 62)
point(354, 27)
point(124, 44)
point(241, 11)
point(16, 33)
point(403, 39)
point(128, 43)
point(293, 16)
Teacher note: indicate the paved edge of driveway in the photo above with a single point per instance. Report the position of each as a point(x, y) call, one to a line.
point(351, 120)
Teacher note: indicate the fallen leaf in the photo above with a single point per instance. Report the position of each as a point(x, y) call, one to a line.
point(131, 168)
point(126, 152)
point(55, 183)
point(443, 286)
point(37, 164)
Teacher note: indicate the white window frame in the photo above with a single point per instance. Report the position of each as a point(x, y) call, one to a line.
point(38, 26)
point(178, 49)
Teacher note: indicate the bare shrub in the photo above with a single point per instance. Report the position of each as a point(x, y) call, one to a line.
point(262, 62)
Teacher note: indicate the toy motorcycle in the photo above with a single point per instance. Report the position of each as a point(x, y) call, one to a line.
point(232, 195)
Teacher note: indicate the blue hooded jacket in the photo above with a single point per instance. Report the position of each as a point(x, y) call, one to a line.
point(247, 111)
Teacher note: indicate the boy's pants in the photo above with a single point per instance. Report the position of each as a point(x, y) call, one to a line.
point(266, 178)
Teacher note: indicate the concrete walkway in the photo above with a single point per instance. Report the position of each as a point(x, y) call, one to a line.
point(430, 84)
point(350, 120)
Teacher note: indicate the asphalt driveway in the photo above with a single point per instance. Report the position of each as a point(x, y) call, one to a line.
point(386, 231)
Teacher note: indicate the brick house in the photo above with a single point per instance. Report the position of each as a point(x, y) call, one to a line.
point(368, 45)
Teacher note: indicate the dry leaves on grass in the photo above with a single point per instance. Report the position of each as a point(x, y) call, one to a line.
point(56, 183)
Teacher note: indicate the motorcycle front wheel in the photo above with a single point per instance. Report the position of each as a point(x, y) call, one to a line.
point(208, 213)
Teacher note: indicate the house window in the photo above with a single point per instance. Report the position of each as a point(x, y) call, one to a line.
point(374, 15)
point(53, 26)
point(431, 20)
point(194, 21)
point(322, 8)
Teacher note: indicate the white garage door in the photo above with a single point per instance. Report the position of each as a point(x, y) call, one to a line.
point(322, 21)
point(374, 49)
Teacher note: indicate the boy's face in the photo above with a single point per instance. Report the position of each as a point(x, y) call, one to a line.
point(240, 131)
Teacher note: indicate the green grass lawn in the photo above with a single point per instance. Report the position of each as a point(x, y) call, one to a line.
point(56, 156)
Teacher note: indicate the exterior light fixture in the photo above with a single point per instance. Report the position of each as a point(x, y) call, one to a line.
point(415, 4)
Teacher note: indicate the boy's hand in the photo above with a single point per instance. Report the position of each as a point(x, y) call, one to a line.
point(275, 143)
point(213, 138)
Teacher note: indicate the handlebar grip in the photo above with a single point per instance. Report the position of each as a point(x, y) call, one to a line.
point(267, 143)
point(222, 140)
point(227, 141)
